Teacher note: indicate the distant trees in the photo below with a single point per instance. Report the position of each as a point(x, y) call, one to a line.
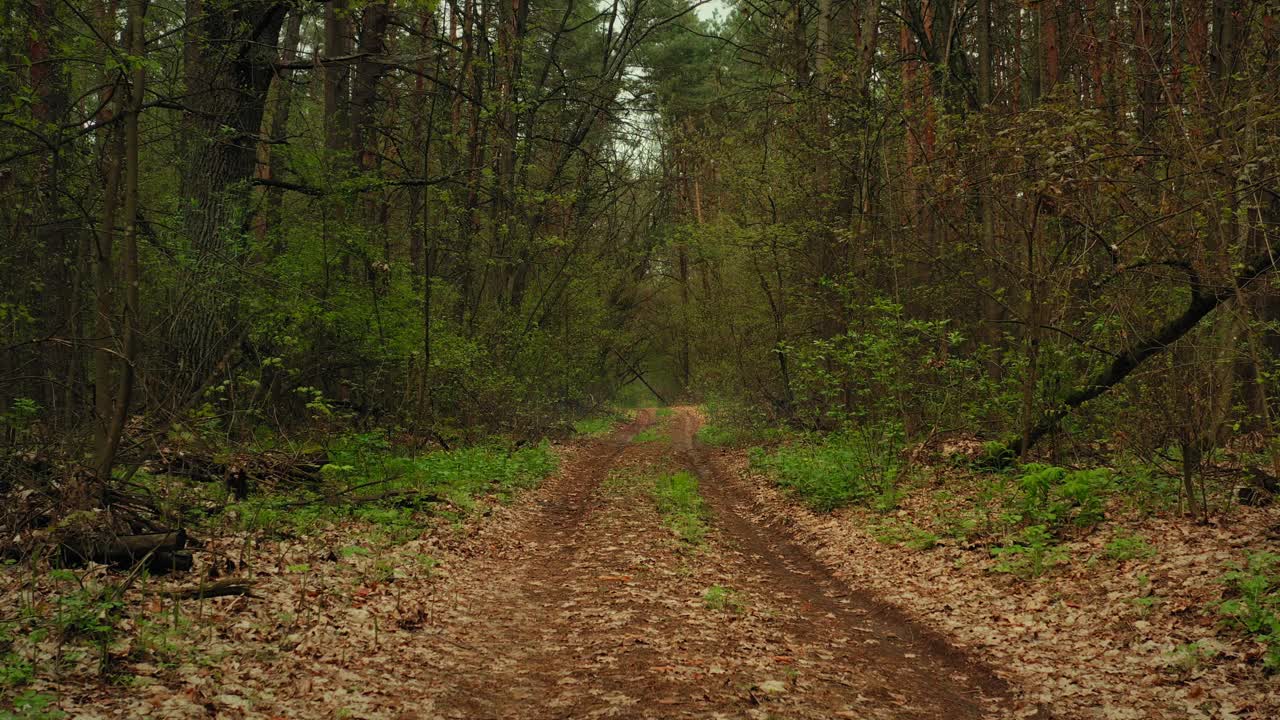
point(1080, 191)
point(248, 214)
point(928, 214)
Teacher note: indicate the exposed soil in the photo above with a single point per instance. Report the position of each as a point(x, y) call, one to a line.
point(1097, 637)
point(593, 609)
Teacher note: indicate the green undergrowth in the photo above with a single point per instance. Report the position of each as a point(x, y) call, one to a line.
point(372, 496)
point(734, 424)
point(836, 470)
point(68, 624)
point(1024, 514)
point(600, 425)
point(899, 532)
point(722, 434)
point(1253, 602)
point(683, 510)
point(366, 480)
point(716, 436)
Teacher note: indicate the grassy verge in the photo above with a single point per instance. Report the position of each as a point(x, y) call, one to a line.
point(834, 471)
point(353, 527)
point(367, 481)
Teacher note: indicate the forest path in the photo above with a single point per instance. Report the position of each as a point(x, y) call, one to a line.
point(590, 607)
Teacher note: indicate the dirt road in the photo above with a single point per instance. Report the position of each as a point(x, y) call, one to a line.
point(588, 606)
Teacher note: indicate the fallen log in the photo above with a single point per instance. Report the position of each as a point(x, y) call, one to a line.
point(222, 588)
point(161, 551)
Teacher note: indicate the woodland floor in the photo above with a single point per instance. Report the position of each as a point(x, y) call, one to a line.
point(575, 601)
point(578, 600)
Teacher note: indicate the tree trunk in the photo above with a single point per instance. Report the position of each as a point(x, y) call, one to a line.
point(281, 107)
point(104, 283)
point(1049, 44)
point(135, 34)
point(867, 44)
point(232, 49)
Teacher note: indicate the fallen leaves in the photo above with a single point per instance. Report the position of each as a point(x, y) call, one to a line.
point(1092, 639)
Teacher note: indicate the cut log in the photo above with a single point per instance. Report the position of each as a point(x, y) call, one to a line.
point(1261, 490)
point(1253, 496)
point(164, 562)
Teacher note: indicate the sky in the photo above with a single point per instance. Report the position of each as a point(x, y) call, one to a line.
point(706, 11)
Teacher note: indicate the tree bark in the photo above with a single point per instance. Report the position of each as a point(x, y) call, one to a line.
point(135, 34)
point(231, 55)
point(867, 44)
point(281, 107)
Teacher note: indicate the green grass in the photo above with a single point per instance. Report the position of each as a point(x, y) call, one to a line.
point(597, 426)
point(369, 482)
point(649, 434)
point(833, 472)
point(683, 510)
point(719, 597)
point(717, 436)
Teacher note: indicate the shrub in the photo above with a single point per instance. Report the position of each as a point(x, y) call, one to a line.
point(1054, 496)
